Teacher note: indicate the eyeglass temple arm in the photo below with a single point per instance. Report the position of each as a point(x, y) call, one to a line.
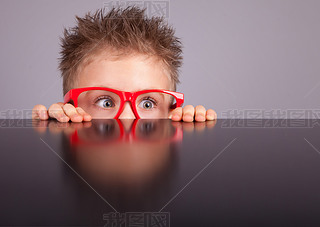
point(68, 98)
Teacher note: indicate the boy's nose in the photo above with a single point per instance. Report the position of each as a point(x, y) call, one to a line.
point(127, 112)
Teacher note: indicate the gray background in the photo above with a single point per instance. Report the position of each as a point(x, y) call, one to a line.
point(260, 55)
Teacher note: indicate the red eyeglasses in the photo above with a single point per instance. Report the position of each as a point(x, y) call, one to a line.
point(101, 102)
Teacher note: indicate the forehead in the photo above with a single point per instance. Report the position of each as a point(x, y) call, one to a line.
point(129, 73)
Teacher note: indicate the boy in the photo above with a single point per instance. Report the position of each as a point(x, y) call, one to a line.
point(109, 60)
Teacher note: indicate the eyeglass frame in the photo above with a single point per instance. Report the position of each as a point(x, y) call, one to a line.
point(124, 96)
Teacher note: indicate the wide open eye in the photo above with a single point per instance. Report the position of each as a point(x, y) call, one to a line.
point(105, 102)
point(147, 104)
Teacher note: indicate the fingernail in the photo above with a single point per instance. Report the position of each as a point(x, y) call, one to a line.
point(87, 117)
point(200, 117)
point(75, 116)
point(176, 117)
point(63, 119)
point(210, 117)
point(188, 117)
point(43, 115)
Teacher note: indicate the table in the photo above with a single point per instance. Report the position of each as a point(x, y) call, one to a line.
point(230, 172)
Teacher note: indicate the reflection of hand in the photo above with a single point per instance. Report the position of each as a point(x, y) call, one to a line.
point(194, 126)
point(61, 112)
point(69, 127)
point(58, 127)
point(189, 114)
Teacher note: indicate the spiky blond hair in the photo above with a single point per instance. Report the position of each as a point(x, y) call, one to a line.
point(124, 31)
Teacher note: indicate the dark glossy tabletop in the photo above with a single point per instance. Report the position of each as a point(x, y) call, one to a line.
point(160, 173)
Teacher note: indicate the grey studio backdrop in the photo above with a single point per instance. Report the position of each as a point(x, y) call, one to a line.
point(261, 56)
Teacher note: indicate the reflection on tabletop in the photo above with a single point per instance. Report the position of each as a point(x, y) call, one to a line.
point(132, 162)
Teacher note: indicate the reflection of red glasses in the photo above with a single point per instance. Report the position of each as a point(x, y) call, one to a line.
point(101, 102)
point(107, 131)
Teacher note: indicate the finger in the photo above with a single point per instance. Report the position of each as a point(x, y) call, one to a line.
point(188, 113)
point(72, 112)
point(200, 113)
point(56, 111)
point(40, 112)
point(60, 104)
point(211, 115)
point(86, 116)
point(176, 114)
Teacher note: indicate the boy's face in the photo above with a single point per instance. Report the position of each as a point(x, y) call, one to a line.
point(130, 73)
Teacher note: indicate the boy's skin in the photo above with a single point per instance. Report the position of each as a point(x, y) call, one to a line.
point(130, 73)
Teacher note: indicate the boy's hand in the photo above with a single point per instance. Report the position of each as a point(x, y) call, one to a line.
point(61, 112)
point(189, 114)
